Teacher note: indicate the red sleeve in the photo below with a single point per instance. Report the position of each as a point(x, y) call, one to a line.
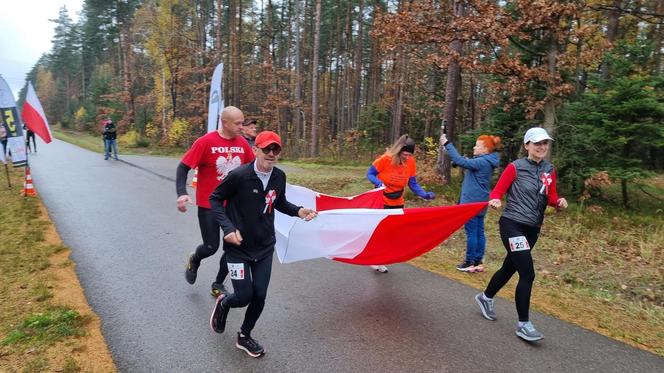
point(504, 182)
point(192, 157)
point(553, 193)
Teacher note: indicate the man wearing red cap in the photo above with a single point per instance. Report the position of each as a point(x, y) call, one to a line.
point(244, 205)
point(215, 154)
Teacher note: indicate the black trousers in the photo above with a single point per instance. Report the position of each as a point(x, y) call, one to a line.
point(210, 232)
point(250, 281)
point(516, 261)
point(29, 136)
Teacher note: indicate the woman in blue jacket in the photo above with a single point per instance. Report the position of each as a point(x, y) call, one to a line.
point(475, 188)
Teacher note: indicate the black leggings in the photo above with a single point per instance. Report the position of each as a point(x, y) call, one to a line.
point(516, 261)
point(211, 238)
point(250, 281)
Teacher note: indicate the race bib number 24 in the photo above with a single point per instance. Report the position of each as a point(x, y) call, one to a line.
point(236, 271)
point(518, 243)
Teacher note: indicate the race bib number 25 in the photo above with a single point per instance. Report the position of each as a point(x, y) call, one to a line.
point(518, 243)
point(236, 271)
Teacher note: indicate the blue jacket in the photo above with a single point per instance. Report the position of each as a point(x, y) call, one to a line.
point(477, 175)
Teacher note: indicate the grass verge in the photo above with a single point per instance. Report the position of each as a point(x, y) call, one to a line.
point(96, 144)
point(45, 321)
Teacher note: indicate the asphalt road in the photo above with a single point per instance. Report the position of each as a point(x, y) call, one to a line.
point(130, 246)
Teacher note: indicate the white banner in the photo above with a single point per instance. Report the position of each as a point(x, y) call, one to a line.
point(16, 145)
point(12, 125)
point(216, 98)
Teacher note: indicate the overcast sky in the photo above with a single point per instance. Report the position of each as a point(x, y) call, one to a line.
point(26, 33)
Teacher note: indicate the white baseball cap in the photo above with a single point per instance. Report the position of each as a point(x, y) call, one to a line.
point(536, 134)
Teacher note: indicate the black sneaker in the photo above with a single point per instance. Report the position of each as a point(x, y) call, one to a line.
point(218, 289)
point(249, 345)
point(466, 267)
point(192, 270)
point(219, 314)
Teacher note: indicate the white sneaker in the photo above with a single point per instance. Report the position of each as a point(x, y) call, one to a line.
point(379, 268)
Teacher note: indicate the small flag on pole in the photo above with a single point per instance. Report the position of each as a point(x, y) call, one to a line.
point(34, 117)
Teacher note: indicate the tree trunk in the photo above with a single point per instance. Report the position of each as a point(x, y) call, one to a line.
point(452, 89)
point(163, 102)
point(128, 96)
point(611, 33)
point(472, 104)
point(299, 136)
point(237, 66)
point(220, 17)
point(373, 79)
point(550, 105)
point(230, 57)
point(397, 108)
point(359, 42)
point(314, 82)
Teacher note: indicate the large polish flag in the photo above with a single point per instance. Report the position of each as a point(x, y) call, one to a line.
point(357, 230)
point(34, 117)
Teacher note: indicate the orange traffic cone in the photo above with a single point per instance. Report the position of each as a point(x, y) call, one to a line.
point(28, 188)
point(194, 180)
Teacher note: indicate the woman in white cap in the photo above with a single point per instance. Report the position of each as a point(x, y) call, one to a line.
point(530, 185)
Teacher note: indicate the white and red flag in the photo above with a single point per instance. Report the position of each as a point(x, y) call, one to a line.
point(357, 230)
point(34, 117)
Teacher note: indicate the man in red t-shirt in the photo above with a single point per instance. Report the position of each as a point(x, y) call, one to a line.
point(215, 154)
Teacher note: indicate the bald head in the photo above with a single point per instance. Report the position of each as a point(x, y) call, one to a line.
point(231, 122)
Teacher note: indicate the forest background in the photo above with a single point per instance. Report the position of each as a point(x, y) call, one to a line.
point(340, 80)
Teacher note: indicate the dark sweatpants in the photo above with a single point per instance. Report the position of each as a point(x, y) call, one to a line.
point(210, 232)
point(250, 281)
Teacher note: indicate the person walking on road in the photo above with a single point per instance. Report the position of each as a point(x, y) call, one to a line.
point(530, 185)
point(28, 136)
point(215, 154)
point(475, 188)
point(395, 169)
point(110, 139)
point(243, 205)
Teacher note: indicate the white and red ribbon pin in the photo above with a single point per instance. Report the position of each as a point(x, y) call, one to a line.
point(269, 200)
point(546, 180)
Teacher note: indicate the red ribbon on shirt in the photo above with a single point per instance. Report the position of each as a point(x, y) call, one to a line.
point(269, 200)
point(546, 180)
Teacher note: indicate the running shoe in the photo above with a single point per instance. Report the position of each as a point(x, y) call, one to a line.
point(218, 289)
point(478, 267)
point(466, 266)
point(192, 270)
point(379, 268)
point(486, 306)
point(528, 332)
point(219, 315)
point(249, 345)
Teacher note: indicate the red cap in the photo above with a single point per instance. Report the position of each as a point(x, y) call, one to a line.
point(265, 138)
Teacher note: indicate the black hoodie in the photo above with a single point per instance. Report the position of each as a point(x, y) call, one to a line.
point(247, 209)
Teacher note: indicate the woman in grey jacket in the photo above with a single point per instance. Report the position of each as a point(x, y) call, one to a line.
point(530, 186)
point(475, 188)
